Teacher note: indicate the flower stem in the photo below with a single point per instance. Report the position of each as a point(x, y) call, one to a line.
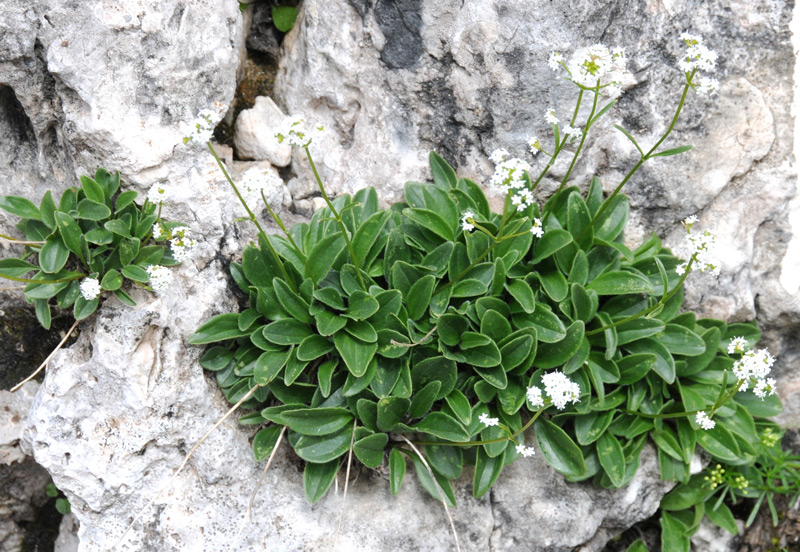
point(336, 216)
point(277, 218)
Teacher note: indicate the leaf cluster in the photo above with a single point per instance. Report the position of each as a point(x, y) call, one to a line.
point(95, 230)
point(450, 325)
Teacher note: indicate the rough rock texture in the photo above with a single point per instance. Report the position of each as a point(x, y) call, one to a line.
point(393, 80)
point(67, 540)
point(22, 481)
point(255, 130)
point(113, 83)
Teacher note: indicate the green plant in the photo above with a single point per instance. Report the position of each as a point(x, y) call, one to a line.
point(63, 506)
point(94, 239)
point(283, 17)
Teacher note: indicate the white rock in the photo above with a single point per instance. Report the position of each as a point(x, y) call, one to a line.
point(254, 134)
point(13, 413)
point(301, 188)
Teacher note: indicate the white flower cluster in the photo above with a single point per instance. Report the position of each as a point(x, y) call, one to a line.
point(296, 132)
point(558, 387)
point(487, 421)
point(594, 64)
point(159, 193)
point(534, 145)
point(202, 128)
point(702, 246)
point(550, 117)
point(253, 181)
point(466, 221)
point(537, 229)
point(508, 177)
point(160, 277)
point(574, 133)
point(699, 57)
point(160, 233)
point(90, 288)
point(704, 421)
point(182, 243)
point(525, 452)
point(753, 367)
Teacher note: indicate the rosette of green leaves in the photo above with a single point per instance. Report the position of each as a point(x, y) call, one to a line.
point(93, 231)
point(451, 325)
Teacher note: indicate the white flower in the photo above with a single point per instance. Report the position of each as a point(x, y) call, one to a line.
point(159, 232)
point(533, 143)
point(764, 387)
point(754, 364)
point(537, 229)
point(613, 90)
point(704, 421)
point(466, 221)
point(182, 243)
point(509, 174)
point(550, 116)
point(681, 269)
point(498, 156)
point(159, 193)
point(697, 55)
point(487, 421)
point(297, 133)
point(572, 132)
point(90, 288)
point(707, 85)
point(702, 246)
point(737, 345)
point(534, 395)
point(202, 128)
point(525, 452)
point(160, 277)
point(688, 221)
point(596, 64)
point(555, 61)
point(253, 181)
point(560, 389)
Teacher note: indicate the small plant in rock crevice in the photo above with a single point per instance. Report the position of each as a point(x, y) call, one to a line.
point(478, 334)
point(90, 242)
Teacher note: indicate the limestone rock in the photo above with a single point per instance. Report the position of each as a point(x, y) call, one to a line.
point(13, 413)
point(255, 130)
point(301, 188)
point(67, 540)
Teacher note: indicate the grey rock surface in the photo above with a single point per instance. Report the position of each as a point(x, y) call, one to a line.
point(67, 540)
point(254, 134)
point(394, 80)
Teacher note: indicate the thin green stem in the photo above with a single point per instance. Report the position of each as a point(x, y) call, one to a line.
point(32, 281)
point(338, 218)
point(276, 217)
point(252, 216)
point(644, 158)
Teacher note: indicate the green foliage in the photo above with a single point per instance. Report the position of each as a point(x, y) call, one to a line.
point(94, 231)
point(449, 326)
point(284, 17)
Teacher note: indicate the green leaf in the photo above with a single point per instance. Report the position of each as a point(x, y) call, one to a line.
point(664, 365)
point(84, 308)
point(579, 221)
point(125, 198)
point(443, 174)
point(673, 534)
point(487, 470)
point(92, 190)
point(681, 341)
point(550, 355)
point(293, 303)
point(125, 298)
point(323, 255)
point(135, 273)
point(423, 399)
point(323, 448)
point(286, 332)
point(522, 292)
point(516, 351)
point(720, 444)
point(89, 210)
point(391, 411)
point(265, 441)
point(111, 281)
point(20, 206)
point(329, 323)
point(284, 17)
point(424, 478)
point(589, 427)
point(558, 449)
point(128, 249)
point(70, 233)
point(317, 421)
point(313, 347)
point(430, 221)
point(637, 546)
point(15, 268)
point(619, 282)
point(47, 207)
point(460, 406)
point(330, 297)
point(221, 327)
point(442, 426)
point(397, 470)
point(216, 358)
point(43, 314)
point(361, 305)
point(722, 516)
point(99, 236)
point(419, 296)
point(609, 451)
point(318, 478)
point(673, 151)
point(118, 227)
point(611, 223)
point(53, 255)
point(355, 353)
point(552, 241)
point(638, 329)
point(367, 234)
point(369, 449)
point(476, 195)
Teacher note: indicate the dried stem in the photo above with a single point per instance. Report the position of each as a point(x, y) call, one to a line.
point(40, 368)
point(346, 481)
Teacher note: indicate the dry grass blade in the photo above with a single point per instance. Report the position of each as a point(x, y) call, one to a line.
point(441, 492)
point(346, 481)
point(264, 473)
point(40, 368)
point(185, 461)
